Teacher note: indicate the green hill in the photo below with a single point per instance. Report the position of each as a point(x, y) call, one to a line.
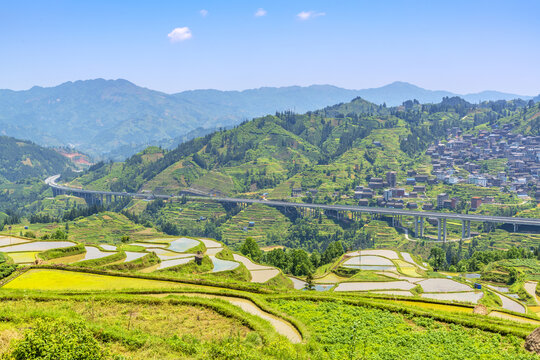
point(20, 159)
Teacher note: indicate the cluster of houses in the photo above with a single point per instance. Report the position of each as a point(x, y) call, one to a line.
point(393, 196)
point(521, 155)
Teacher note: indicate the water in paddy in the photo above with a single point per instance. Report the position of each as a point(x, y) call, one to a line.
point(371, 267)
point(130, 255)
point(175, 262)
point(108, 247)
point(38, 246)
point(93, 252)
point(502, 289)
point(472, 276)
point(300, 285)
point(223, 265)
point(182, 244)
point(323, 287)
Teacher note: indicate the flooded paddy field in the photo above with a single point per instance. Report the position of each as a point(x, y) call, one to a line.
point(443, 285)
point(368, 286)
point(367, 260)
point(93, 252)
point(11, 240)
point(174, 262)
point(37, 246)
point(182, 244)
point(472, 297)
point(390, 254)
point(407, 257)
point(512, 305)
point(262, 276)
point(131, 255)
point(223, 265)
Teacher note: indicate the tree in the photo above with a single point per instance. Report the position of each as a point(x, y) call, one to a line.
point(309, 282)
point(251, 248)
point(125, 239)
point(437, 258)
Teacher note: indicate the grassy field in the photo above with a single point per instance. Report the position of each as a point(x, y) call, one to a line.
point(351, 332)
point(59, 280)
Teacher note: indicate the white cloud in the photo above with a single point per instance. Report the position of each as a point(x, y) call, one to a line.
point(203, 12)
point(180, 34)
point(260, 12)
point(306, 15)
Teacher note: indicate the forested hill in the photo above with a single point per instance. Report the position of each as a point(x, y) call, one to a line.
point(329, 150)
point(20, 159)
point(116, 118)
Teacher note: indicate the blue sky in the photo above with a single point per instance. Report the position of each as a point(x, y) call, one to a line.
point(461, 46)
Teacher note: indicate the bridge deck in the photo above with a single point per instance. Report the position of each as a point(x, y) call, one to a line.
point(51, 181)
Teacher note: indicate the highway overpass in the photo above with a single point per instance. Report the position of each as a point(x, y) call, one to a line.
point(93, 196)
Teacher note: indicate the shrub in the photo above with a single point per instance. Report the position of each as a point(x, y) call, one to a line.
point(58, 340)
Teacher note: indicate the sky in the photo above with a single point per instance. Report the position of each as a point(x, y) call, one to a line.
point(172, 46)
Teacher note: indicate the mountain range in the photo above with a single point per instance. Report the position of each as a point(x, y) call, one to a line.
point(115, 118)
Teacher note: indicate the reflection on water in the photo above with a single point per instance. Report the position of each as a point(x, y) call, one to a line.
point(182, 244)
point(38, 246)
point(223, 265)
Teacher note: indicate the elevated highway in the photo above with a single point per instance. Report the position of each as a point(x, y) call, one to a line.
point(396, 214)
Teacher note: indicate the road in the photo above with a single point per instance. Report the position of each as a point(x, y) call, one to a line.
point(51, 181)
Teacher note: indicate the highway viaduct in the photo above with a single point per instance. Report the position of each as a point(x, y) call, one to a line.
point(94, 196)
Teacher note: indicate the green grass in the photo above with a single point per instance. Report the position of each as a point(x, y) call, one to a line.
point(106, 227)
point(347, 331)
point(146, 261)
point(62, 252)
point(59, 280)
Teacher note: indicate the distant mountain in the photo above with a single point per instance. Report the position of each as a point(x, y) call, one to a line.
point(537, 98)
point(397, 92)
point(115, 118)
point(20, 159)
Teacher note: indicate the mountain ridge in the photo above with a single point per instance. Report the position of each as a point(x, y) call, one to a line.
point(116, 118)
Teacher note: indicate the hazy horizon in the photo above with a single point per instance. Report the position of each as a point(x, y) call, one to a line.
point(462, 47)
point(264, 86)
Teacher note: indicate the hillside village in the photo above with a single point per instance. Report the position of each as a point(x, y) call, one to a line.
point(459, 160)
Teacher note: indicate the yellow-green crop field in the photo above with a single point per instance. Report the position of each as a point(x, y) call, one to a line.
point(50, 279)
point(23, 257)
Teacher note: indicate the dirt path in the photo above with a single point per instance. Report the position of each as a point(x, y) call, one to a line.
point(281, 326)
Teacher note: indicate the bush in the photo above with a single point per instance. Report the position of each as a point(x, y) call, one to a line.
point(57, 340)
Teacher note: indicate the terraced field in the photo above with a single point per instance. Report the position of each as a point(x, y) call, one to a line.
point(265, 219)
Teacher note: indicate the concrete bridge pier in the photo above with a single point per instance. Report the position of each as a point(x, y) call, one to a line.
point(416, 226)
point(516, 227)
point(444, 230)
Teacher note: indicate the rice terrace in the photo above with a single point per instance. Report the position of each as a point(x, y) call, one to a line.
point(308, 180)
